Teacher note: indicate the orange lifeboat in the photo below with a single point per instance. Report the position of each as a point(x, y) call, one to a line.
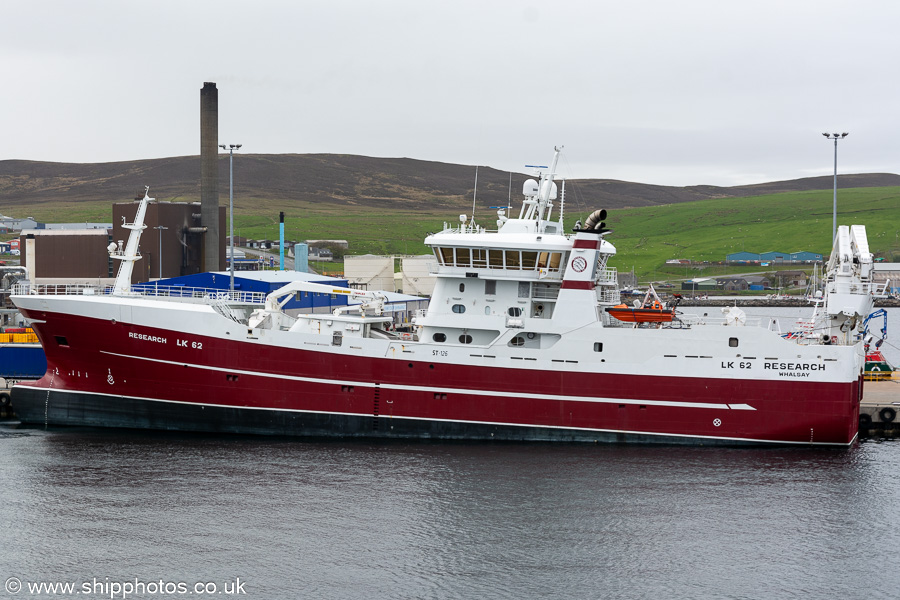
point(654, 313)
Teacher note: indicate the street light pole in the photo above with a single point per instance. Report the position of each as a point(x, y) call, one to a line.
point(835, 137)
point(160, 229)
point(231, 148)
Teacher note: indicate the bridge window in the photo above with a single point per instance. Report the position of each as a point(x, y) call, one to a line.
point(479, 257)
point(495, 259)
point(513, 259)
point(549, 260)
point(528, 260)
point(462, 257)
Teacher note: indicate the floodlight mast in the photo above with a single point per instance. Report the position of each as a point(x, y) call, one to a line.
point(835, 137)
point(231, 148)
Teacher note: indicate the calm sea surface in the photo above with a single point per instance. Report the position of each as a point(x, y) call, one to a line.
point(270, 518)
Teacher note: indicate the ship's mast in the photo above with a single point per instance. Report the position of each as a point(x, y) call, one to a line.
point(130, 254)
point(538, 203)
point(547, 188)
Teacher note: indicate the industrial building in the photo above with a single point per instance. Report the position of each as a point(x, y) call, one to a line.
point(732, 284)
point(792, 278)
point(83, 254)
point(10, 224)
point(176, 249)
point(370, 272)
point(77, 253)
point(699, 284)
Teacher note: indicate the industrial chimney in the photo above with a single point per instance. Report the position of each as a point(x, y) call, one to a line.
point(209, 175)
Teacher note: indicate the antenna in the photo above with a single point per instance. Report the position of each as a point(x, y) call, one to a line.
point(562, 203)
point(474, 194)
point(509, 197)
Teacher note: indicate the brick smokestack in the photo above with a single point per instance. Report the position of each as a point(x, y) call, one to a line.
point(209, 175)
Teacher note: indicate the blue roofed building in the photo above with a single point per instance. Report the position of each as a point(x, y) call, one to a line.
point(775, 257)
point(742, 258)
point(805, 257)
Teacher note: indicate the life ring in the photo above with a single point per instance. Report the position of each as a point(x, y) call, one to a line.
point(865, 420)
point(887, 414)
point(4, 399)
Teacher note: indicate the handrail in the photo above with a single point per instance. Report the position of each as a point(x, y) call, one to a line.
point(164, 292)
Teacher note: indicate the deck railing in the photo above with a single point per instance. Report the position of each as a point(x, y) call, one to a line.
point(164, 292)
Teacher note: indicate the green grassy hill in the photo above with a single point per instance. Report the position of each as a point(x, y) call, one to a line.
point(707, 230)
point(388, 205)
point(646, 237)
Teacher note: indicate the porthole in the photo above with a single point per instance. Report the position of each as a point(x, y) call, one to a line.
point(517, 341)
point(514, 311)
point(458, 308)
point(733, 342)
point(465, 339)
point(462, 287)
point(439, 337)
point(598, 346)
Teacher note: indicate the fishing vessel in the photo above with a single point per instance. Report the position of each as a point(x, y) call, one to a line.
point(515, 344)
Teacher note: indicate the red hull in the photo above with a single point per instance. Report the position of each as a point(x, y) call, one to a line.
point(239, 375)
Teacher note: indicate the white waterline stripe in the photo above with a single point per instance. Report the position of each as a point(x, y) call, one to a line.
point(419, 388)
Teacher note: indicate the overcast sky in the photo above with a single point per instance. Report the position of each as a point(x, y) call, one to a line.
point(655, 91)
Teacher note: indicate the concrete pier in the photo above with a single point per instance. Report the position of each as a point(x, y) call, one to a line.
point(880, 408)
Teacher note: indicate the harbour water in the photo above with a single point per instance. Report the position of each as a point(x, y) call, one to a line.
point(316, 519)
point(124, 514)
